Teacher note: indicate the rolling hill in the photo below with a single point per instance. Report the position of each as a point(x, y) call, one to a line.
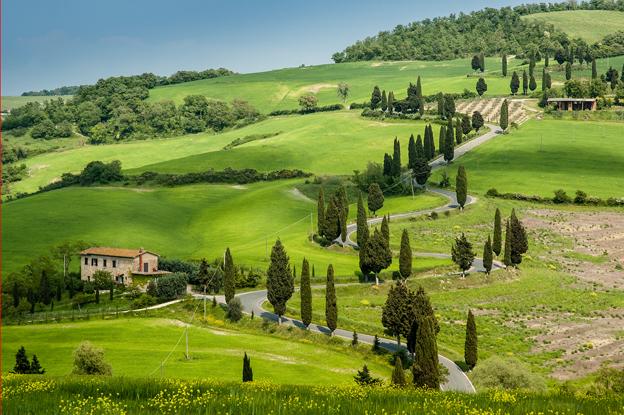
point(589, 25)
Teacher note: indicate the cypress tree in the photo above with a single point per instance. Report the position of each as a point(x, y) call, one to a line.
point(405, 256)
point(462, 254)
point(313, 271)
point(45, 291)
point(354, 339)
point(498, 233)
point(548, 82)
point(461, 187)
point(504, 115)
point(514, 84)
point(441, 106)
point(375, 198)
point(475, 63)
point(420, 150)
point(594, 69)
point(459, 135)
point(343, 208)
point(470, 346)
point(362, 224)
point(294, 272)
point(531, 66)
point(396, 158)
point(425, 371)
point(504, 65)
point(431, 142)
point(320, 213)
point(532, 83)
point(466, 124)
point(449, 106)
point(97, 295)
point(35, 366)
point(332, 219)
point(385, 230)
point(441, 139)
point(427, 145)
point(423, 308)
point(487, 256)
point(519, 241)
point(421, 171)
point(22, 365)
point(331, 308)
point(387, 165)
point(398, 374)
point(412, 153)
point(306, 294)
point(544, 79)
point(384, 101)
point(247, 371)
point(398, 312)
point(525, 83)
point(376, 345)
point(375, 256)
point(481, 87)
point(280, 283)
point(507, 253)
point(568, 71)
point(449, 142)
point(419, 93)
point(546, 63)
point(375, 98)
point(482, 62)
point(229, 277)
point(390, 102)
point(32, 299)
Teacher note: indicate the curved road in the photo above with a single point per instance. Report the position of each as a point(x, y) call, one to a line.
point(457, 379)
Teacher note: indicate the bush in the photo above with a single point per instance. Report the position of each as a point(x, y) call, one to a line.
point(506, 373)
point(170, 287)
point(81, 299)
point(561, 197)
point(307, 110)
point(144, 301)
point(580, 198)
point(89, 360)
point(234, 310)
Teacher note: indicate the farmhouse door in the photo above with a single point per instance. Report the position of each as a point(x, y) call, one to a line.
point(145, 267)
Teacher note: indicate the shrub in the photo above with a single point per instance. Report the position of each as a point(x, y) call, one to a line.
point(580, 198)
point(506, 373)
point(143, 301)
point(170, 286)
point(234, 310)
point(81, 299)
point(561, 197)
point(89, 360)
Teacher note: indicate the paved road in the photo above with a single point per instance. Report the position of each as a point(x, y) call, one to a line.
point(252, 301)
point(462, 149)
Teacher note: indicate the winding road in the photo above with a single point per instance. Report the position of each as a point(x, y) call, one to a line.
point(456, 379)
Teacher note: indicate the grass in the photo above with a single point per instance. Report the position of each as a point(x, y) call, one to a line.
point(9, 102)
point(32, 394)
point(188, 222)
point(216, 352)
point(543, 156)
point(280, 89)
point(589, 25)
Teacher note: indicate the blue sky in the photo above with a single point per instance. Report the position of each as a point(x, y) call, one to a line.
point(47, 44)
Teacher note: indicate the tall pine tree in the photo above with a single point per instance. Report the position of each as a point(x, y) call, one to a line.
point(331, 308)
point(280, 283)
point(470, 346)
point(306, 294)
point(405, 256)
point(229, 277)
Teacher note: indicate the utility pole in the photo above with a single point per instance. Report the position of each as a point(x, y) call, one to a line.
point(187, 353)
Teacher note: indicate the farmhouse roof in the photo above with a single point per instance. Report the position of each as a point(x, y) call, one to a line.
point(571, 99)
point(116, 252)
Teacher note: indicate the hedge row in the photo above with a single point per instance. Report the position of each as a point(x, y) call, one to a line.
point(560, 197)
point(301, 111)
point(228, 175)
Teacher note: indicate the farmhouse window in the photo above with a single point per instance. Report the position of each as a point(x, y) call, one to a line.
point(104, 263)
point(114, 263)
point(86, 261)
point(94, 262)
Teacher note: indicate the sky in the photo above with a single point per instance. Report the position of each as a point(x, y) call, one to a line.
point(48, 44)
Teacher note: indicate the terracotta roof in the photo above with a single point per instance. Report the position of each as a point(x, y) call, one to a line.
point(571, 99)
point(117, 252)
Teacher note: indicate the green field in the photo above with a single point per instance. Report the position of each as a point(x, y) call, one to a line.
point(186, 222)
point(323, 143)
point(589, 25)
point(281, 88)
point(543, 156)
point(9, 102)
point(216, 353)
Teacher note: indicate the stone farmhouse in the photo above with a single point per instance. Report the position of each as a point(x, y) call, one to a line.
point(122, 263)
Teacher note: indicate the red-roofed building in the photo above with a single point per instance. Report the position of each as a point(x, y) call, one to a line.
point(121, 263)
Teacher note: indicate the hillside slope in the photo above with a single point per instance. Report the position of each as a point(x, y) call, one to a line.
point(589, 25)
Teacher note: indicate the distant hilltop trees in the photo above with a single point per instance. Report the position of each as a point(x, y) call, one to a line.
point(491, 31)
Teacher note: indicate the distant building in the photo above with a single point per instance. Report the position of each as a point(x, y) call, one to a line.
point(574, 104)
point(121, 263)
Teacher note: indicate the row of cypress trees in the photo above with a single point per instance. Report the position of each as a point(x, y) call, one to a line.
point(332, 219)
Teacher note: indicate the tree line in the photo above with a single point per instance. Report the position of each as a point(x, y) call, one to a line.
point(489, 31)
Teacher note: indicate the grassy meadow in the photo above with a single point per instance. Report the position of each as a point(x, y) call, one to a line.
point(11, 101)
point(217, 353)
point(546, 155)
point(189, 222)
point(589, 25)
